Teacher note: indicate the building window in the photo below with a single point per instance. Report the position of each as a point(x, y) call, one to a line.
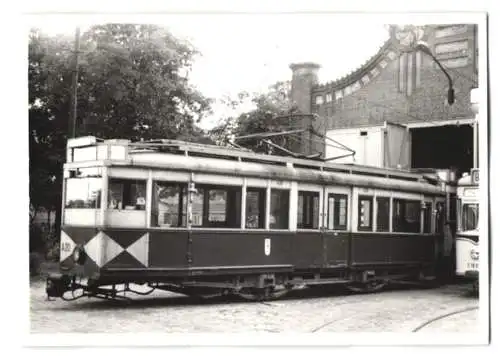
point(405, 216)
point(402, 72)
point(329, 97)
point(418, 66)
point(451, 31)
point(365, 205)
point(308, 210)
point(255, 207)
point(383, 213)
point(338, 95)
point(410, 72)
point(456, 46)
point(454, 63)
point(337, 212)
point(280, 203)
point(169, 205)
point(126, 194)
point(319, 100)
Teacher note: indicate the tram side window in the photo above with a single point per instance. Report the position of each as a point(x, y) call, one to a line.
point(217, 207)
point(439, 217)
point(365, 205)
point(280, 200)
point(126, 194)
point(169, 204)
point(383, 213)
point(406, 216)
point(453, 207)
point(197, 207)
point(308, 210)
point(337, 211)
point(255, 207)
point(427, 217)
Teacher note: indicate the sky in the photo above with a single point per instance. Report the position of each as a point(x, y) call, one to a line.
point(249, 52)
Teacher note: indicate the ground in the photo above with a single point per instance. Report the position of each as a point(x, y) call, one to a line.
point(402, 309)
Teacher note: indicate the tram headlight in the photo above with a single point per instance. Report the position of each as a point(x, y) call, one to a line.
point(79, 255)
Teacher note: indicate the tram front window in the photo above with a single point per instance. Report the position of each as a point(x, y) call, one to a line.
point(83, 193)
point(84, 189)
point(470, 216)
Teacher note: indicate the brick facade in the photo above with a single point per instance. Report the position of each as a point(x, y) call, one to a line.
point(397, 84)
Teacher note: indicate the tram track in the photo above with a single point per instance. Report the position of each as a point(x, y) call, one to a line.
point(443, 316)
point(308, 311)
point(416, 329)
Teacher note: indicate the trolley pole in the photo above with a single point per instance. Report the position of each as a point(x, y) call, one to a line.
point(74, 86)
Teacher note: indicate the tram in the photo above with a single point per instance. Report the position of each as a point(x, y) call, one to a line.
point(206, 220)
point(467, 237)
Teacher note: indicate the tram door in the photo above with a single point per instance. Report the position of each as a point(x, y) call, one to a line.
point(335, 225)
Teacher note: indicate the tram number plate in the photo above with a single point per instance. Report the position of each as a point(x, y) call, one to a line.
point(65, 247)
point(472, 265)
point(267, 246)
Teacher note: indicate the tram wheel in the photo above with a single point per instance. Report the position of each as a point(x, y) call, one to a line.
point(264, 294)
point(371, 286)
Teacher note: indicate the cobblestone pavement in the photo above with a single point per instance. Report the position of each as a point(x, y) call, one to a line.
point(395, 310)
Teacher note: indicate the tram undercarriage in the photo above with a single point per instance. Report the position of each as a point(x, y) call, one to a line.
point(252, 287)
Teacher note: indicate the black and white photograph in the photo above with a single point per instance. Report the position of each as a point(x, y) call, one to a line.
point(270, 173)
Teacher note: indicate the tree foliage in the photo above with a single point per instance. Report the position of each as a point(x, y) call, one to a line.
point(133, 83)
point(270, 114)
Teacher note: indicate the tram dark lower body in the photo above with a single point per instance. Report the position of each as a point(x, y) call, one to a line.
point(256, 265)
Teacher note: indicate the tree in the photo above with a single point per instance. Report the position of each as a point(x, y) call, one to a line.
point(133, 83)
point(135, 77)
point(271, 113)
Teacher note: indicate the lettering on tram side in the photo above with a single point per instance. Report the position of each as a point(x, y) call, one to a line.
point(474, 255)
point(267, 246)
point(66, 247)
point(473, 265)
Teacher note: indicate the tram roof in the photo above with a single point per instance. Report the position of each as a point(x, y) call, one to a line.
point(138, 151)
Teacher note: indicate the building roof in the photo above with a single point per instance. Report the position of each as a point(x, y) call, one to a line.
point(362, 70)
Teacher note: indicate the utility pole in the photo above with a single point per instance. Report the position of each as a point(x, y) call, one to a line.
point(74, 86)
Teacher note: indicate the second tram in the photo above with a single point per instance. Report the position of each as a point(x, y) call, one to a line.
point(467, 237)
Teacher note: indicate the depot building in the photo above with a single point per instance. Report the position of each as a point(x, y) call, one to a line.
point(393, 111)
